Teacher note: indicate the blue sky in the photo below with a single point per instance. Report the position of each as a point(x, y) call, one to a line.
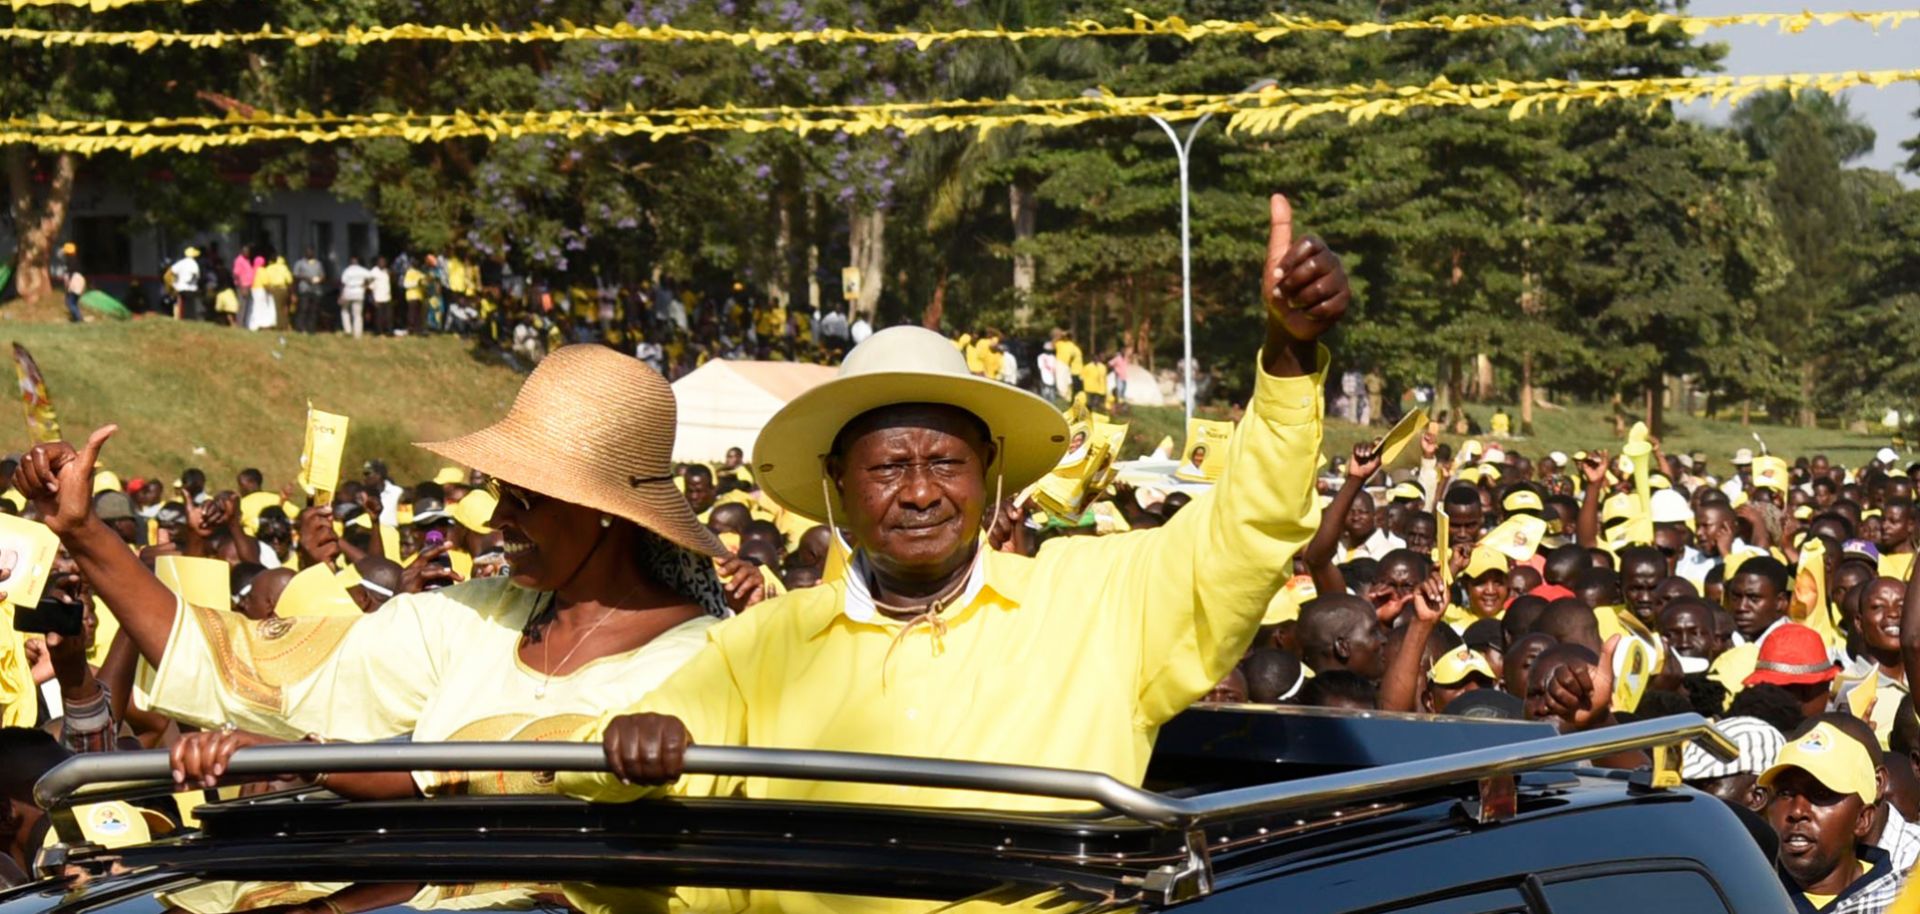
point(1823, 49)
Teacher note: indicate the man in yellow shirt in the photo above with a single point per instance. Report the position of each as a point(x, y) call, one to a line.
point(1067, 352)
point(1093, 380)
point(932, 644)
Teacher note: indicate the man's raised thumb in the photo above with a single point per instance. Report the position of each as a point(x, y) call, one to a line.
point(1279, 226)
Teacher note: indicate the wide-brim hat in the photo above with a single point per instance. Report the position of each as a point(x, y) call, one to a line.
point(901, 365)
point(591, 427)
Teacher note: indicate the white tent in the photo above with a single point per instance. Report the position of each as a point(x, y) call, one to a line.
point(724, 404)
point(1143, 389)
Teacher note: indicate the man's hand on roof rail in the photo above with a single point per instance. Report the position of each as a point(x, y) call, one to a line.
point(646, 748)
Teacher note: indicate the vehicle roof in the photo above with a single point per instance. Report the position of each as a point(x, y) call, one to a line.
point(1566, 822)
point(1429, 835)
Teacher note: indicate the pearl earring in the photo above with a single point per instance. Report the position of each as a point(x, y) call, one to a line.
point(606, 521)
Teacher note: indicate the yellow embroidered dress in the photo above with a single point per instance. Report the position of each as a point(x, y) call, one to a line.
point(442, 665)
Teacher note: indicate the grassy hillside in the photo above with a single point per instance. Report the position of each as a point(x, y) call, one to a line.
point(198, 395)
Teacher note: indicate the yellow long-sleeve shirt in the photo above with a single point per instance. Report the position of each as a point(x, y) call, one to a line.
point(1070, 659)
point(1068, 352)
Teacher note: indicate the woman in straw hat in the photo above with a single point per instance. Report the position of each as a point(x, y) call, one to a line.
point(933, 644)
point(612, 588)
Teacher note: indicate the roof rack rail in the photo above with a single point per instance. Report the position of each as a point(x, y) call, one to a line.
point(101, 776)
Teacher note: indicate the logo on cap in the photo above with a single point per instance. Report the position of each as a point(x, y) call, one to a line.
point(1815, 741)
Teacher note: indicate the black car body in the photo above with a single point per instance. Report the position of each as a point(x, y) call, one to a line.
point(1378, 822)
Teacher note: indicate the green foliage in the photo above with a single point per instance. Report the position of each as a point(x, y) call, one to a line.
point(1604, 248)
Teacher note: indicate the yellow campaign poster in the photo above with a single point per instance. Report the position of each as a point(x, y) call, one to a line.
point(42, 426)
point(200, 582)
point(27, 551)
point(1408, 428)
point(320, 457)
point(1071, 488)
point(1205, 457)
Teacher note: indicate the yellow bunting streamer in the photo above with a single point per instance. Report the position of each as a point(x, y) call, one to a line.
point(98, 6)
point(1139, 104)
point(1518, 99)
point(1276, 27)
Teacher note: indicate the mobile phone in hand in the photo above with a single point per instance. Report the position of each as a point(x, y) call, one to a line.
point(50, 616)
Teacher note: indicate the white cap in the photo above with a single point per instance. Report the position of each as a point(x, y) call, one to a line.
point(1759, 745)
point(1559, 457)
point(1670, 507)
point(1494, 455)
point(1887, 457)
point(1743, 456)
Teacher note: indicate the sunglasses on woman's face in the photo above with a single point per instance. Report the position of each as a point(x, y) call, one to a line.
point(524, 499)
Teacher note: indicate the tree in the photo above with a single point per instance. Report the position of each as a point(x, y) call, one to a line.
point(78, 84)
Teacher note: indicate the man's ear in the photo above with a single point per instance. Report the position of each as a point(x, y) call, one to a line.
point(1863, 824)
point(1342, 650)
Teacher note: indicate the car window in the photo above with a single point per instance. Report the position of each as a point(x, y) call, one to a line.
point(1659, 890)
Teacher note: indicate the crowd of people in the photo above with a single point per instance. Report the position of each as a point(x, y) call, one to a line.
point(562, 578)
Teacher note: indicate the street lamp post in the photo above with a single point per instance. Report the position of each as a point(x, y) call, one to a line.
point(1181, 150)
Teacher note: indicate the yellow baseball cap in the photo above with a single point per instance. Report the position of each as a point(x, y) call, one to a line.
point(1770, 473)
point(1483, 560)
point(106, 481)
point(1406, 491)
point(1523, 500)
point(450, 476)
point(1618, 507)
point(1459, 663)
point(473, 511)
point(1835, 759)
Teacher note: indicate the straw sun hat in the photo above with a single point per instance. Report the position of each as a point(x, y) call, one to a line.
point(591, 427)
point(896, 366)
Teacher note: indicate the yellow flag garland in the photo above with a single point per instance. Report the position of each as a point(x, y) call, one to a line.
point(1263, 112)
point(1268, 30)
point(97, 6)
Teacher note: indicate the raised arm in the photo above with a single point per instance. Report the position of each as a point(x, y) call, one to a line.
point(1198, 587)
point(1594, 468)
point(1400, 688)
point(1333, 521)
point(59, 482)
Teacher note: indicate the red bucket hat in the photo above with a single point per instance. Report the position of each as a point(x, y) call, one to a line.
point(1792, 654)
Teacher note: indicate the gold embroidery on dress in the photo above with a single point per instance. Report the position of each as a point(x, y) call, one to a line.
point(516, 727)
point(232, 660)
point(256, 659)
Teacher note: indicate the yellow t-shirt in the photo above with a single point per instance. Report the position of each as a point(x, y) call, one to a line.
point(442, 665)
point(1118, 633)
point(1093, 378)
point(253, 503)
point(1896, 565)
point(19, 706)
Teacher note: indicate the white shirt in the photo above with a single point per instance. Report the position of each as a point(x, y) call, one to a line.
point(1376, 547)
point(390, 504)
point(861, 330)
point(353, 283)
point(382, 283)
point(1694, 565)
point(186, 275)
point(833, 326)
